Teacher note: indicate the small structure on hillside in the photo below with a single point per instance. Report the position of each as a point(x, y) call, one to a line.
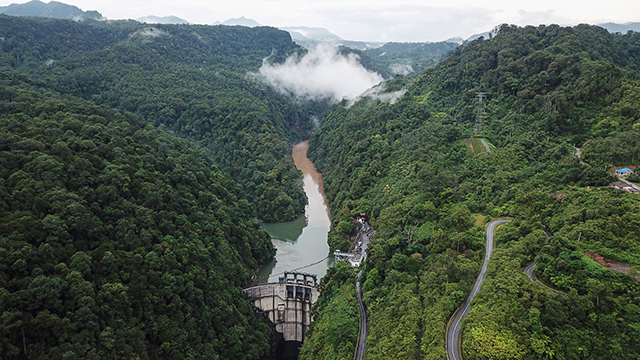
point(354, 259)
point(624, 172)
point(362, 217)
point(622, 186)
point(359, 240)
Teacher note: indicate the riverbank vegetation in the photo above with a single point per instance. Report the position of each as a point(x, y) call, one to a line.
point(191, 80)
point(404, 165)
point(120, 240)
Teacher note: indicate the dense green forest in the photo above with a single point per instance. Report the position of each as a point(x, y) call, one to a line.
point(117, 239)
point(136, 160)
point(192, 80)
point(429, 198)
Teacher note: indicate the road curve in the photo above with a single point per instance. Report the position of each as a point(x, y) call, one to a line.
point(529, 271)
point(531, 267)
point(452, 341)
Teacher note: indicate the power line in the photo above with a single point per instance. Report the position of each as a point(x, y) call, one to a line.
point(257, 277)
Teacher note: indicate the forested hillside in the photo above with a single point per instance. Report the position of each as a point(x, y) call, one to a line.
point(429, 198)
point(193, 80)
point(117, 239)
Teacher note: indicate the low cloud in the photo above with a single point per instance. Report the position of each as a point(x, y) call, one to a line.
point(378, 93)
point(149, 32)
point(401, 69)
point(321, 73)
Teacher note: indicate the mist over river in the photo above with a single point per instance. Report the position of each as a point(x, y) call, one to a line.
point(303, 241)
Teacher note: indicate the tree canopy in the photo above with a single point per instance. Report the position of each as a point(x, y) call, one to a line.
point(193, 80)
point(429, 197)
point(118, 240)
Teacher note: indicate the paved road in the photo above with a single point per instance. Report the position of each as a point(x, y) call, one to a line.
point(453, 333)
point(531, 267)
point(636, 187)
point(362, 333)
point(529, 271)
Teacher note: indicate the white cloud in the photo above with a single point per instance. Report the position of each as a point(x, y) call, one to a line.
point(401, 69)
point(369, 20)
point(378, 93)
point(320, 73)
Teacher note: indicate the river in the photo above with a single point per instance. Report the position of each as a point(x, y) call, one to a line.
point(303, 241)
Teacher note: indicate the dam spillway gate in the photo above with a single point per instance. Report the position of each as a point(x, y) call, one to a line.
point(287, 303)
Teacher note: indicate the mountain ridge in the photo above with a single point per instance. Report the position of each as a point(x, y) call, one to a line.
point(53, 9)
point(170, 19)
point(241, 21)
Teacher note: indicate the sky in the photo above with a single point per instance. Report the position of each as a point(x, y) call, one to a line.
point(377, 20)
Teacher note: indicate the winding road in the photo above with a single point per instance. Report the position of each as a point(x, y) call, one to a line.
point(452, 340)
point(531, 267)
point(529, 271)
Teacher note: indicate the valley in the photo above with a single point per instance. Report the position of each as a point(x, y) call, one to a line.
point(151, 172)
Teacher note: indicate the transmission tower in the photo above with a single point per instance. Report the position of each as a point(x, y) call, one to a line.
point(480, 96)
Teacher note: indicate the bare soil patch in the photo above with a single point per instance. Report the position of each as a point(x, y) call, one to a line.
point(610, 264)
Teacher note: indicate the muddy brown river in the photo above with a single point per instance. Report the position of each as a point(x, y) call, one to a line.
point(303, 241)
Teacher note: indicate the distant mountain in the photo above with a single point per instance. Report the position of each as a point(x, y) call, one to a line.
point(311, 33)
point(406, 58)
point(361, 45)
point(310, 37)
point(457, 40)
point(52, 9)
point(152, 19)
point(485, 35)
point(242, 21)
point(621, 28)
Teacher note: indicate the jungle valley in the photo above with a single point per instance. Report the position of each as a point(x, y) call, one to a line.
point(138, 162)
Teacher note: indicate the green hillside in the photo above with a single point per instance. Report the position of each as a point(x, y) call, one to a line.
point(118, 240)
point(137, 161)
point(193, 80)
point(547, 88)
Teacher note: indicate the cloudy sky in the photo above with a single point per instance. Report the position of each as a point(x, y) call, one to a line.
point(377, 20)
